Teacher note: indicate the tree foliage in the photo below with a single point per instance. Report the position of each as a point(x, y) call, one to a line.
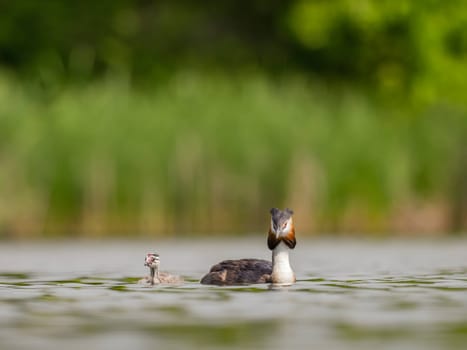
point(402, 47)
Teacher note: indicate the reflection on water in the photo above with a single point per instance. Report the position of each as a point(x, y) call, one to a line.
point(349, 294)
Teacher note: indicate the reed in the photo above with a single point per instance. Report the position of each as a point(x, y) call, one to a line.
point(214, 153)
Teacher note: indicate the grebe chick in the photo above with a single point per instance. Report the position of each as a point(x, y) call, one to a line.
point(152, 261)
point(281, 238)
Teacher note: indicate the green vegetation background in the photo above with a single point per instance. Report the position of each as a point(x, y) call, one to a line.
point(174, 117)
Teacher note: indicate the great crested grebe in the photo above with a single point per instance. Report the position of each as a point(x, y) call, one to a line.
point(153, 262)
point(281, 238)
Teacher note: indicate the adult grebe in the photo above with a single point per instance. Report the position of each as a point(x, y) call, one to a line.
point(153, 262)
point(281, 238)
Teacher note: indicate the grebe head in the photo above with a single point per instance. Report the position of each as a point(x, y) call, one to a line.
point(282, 228)
point(281, 221)
point(152, 260)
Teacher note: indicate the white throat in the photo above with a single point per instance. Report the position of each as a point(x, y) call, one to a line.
point(282, 272)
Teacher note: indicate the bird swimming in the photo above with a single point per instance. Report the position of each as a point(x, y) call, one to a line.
point(152, 261)
point(281, 239)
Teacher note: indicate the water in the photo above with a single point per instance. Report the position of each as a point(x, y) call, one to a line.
point(349, 295)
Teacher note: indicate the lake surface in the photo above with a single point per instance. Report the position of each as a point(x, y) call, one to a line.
point(350, 294)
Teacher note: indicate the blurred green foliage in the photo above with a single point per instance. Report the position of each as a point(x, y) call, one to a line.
point(213, 154)
point(176, 116)
point(396, 48)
